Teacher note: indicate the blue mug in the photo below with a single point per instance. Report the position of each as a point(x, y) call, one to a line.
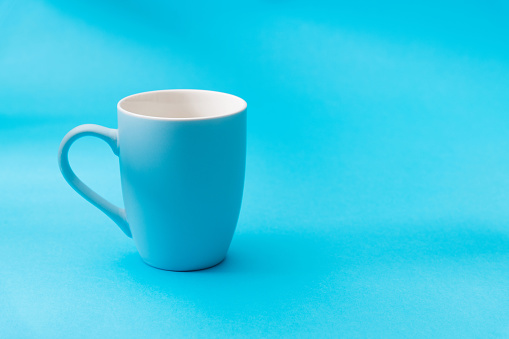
point(182, 157)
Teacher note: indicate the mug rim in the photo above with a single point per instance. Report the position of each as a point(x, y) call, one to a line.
point(151, 117)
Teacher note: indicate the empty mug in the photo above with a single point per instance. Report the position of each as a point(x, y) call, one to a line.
point(182, 157)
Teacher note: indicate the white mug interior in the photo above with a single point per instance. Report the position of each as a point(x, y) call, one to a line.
point(182, 104)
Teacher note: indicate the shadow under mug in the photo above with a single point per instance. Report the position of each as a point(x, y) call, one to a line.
point(182, 157)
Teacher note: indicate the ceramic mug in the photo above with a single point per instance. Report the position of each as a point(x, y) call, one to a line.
point(182, 157)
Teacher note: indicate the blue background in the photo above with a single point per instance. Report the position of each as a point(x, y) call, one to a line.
point(377, 188)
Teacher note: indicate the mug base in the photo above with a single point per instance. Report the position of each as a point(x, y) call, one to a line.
point(183, 270)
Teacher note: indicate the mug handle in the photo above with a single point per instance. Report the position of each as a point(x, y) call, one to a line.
point(109, 135)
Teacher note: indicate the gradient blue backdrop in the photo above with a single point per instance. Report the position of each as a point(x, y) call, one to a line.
point(377, 189)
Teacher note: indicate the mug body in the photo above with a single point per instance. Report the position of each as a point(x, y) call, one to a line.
point(182, 161)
